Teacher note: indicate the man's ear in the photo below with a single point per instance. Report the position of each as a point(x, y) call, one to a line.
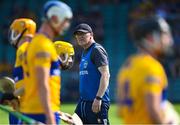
point(149, 38)
point(54, 20)
point(91, 35)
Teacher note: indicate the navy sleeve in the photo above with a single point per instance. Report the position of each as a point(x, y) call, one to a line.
point(99, 56)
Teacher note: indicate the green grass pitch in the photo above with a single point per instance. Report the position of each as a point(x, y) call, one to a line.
point(69, 108)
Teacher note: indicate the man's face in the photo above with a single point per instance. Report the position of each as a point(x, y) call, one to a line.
point(60, 27)
point(64, 26)
point(67, 61)
point(83, 38)
point(167, 42)
point(160, 43)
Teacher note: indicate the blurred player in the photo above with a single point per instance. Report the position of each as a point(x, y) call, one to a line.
point(42, 88)
point(142, 79)
point(20, 34)
point(66, 53)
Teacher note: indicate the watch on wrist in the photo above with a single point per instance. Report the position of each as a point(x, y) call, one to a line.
point(98, 98)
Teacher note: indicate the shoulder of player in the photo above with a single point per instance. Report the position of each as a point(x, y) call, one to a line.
point(22, 48)
point(99, 49)
point(150, 64)
point(41, 47)
point(42, 42)
point(153, 62)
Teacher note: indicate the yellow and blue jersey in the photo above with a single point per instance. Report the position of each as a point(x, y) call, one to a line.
point(18, 70)
point(140, 75)
point(41, 53)
point(18, 76)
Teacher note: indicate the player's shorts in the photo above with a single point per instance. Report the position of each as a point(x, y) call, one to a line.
point(12, 119)
point(42, 118)
point(84, 111)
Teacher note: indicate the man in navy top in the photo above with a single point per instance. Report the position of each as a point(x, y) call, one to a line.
point(94, 77)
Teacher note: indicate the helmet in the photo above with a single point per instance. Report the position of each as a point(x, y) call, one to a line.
point(19, 28)
point(66, 53)
point(63, 47)
point(59, 9)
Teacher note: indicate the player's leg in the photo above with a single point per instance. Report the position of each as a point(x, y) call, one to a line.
point(91, 117)
point(103, 114)
point(79, 110)
point(97, 118)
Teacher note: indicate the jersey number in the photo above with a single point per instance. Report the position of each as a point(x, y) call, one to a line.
point(127, 100)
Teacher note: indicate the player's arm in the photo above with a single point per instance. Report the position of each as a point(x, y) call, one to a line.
point(42, 76)
point(100, 59)
point(18, 74)
point(153, 98)
point(153, 106)
point(18, 78)
point(119, 92)
point(42, 70)
point(104, 81)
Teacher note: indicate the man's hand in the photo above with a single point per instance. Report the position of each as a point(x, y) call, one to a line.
point(15, 104)
point(67, 118)
point(11, 100)
point(96, 106)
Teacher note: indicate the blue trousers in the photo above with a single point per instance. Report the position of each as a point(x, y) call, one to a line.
point(84, 111)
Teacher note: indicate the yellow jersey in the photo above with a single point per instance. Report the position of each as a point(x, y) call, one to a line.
point(18, 73)
point(140, 75)
point(41, 52)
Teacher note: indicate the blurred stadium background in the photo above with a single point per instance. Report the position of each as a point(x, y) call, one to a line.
point(111, 20)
